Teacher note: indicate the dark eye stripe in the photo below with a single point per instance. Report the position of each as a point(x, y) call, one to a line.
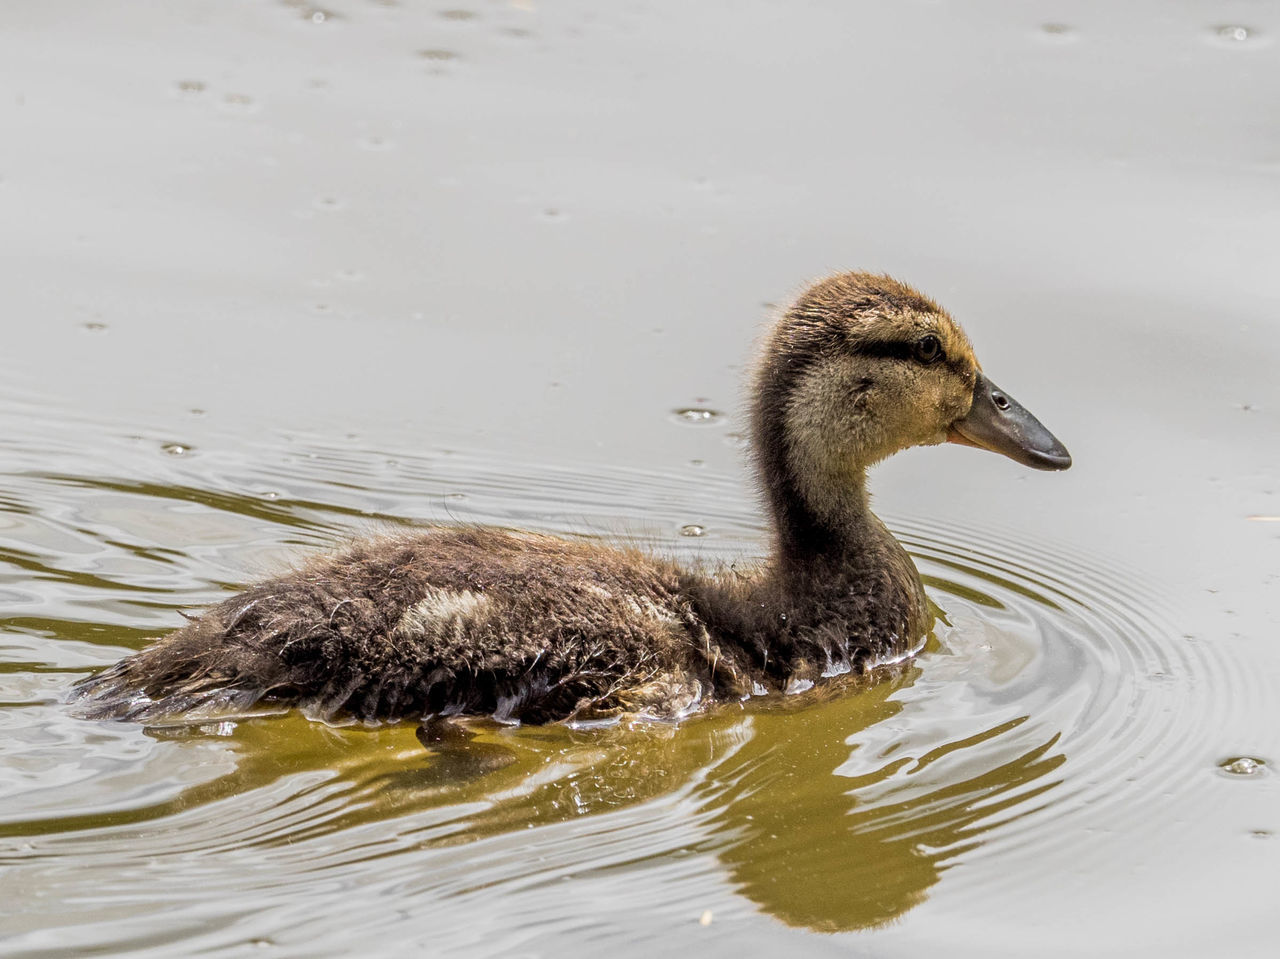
point(892, 349)
point(898, 350)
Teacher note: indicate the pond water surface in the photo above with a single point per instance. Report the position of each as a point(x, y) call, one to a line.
point(279, 274)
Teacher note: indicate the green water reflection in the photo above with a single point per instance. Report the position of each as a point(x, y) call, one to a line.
point(810, 826)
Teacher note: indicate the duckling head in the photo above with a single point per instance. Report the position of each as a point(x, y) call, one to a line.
point(860, 367)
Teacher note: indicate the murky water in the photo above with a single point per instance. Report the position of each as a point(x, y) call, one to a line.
point(280, 274)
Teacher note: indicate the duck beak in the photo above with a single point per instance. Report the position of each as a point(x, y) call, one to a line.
point(999, 423)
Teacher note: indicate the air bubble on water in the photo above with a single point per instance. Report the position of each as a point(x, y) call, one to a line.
point(698, 415)
point(693, 530)
point(457, 15)
point(438, 56)
point(1243, 766)
point(1236, 36)
point(554, 215)
point(350, 276)
point(94, 326)
point(1233, 33)
point(190, 89)
point(329, 204)
point(176, 449)
point(375, 144)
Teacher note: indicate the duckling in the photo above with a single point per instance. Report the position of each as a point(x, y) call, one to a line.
point(525, 627)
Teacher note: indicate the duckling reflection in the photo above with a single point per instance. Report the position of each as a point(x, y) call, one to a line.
point(816, 808)
point(822, 836)
point(527, 627)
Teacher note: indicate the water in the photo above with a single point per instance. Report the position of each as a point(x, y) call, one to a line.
point(279, 280)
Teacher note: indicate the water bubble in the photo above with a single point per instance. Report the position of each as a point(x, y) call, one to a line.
point(95, 326)
point(190, 89)
point(329, 204)
point(351, 276)
point(176, 449)
point(457, 15)
point(437, 55)
point(698, 415)
point(1231, 33)
point(270, 494)
point(1242, 766)
point(375, 144)
point(320, 16)
point(693, 529)
point(705, 918)
point(554, 215)
point(196, 411)
point(518, 33)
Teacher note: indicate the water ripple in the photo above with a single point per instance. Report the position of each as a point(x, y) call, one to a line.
point(1056, 698)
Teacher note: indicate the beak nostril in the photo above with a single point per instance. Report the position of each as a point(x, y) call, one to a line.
point(1001, 401)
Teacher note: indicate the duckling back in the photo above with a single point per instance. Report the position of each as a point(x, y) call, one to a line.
point(461, 620)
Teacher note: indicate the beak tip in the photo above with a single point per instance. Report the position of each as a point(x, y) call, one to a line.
point(1054, 458)
point(1057, 462)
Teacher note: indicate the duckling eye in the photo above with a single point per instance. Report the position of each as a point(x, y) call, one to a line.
point(928, 349)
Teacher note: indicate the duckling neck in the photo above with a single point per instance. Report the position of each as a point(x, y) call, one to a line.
point(813, 471)
point(829, 545)
point(820, 520)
